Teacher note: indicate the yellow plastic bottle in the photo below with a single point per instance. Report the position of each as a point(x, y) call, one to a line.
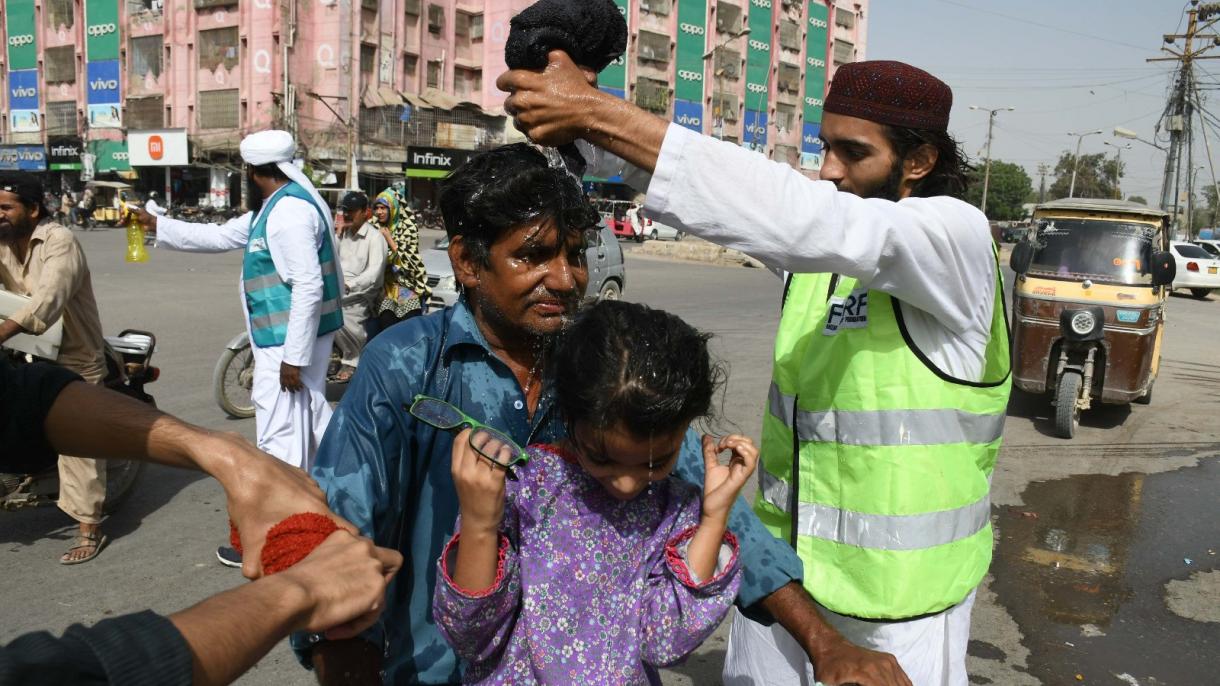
point(135, 237)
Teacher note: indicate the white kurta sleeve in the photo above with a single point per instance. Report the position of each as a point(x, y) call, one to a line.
point(294, 234)
point(179, 235)
point(934, 254)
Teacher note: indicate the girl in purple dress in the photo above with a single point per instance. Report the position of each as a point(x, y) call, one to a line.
point(590, 564)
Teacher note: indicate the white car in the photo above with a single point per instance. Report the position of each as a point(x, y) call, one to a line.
point(1198, 270)
point(656, 231)
point(1210, 245)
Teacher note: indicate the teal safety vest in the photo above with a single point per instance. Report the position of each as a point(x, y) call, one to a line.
point(268, 298)
point(890, 512)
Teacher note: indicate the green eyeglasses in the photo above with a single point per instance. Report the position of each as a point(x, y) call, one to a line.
point(490, 443)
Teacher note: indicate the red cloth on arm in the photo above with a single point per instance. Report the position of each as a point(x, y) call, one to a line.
point(291, 540)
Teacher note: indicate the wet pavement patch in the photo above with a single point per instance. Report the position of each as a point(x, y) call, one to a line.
point(1089, 577)
point(985, 650)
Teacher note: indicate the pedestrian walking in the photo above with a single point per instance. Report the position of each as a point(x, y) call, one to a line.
point(406, 279)
point(291, 293)
point(362, 254)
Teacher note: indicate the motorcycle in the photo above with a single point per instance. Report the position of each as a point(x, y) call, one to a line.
point(233, 377)
point(128, 369)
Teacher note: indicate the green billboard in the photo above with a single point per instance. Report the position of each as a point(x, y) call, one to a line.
point(815, 61)
point(758, 56)
point(22, 40)
point(692, 43)
point(613, 78)
point(101, 30)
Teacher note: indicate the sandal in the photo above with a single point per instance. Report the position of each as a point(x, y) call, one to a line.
point(344, 375)
point(94, 542)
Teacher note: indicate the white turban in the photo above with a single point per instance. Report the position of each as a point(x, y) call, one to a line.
point(277, 147)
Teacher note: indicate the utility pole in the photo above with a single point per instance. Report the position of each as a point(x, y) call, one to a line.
point(1118, 165)
point(1180, 110)
point(1076, 162)
point(1043, 170)
point(991, 112)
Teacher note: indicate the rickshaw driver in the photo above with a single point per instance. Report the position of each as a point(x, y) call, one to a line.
point(910, 395)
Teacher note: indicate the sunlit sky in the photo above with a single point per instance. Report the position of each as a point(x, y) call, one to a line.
point(1065, 65)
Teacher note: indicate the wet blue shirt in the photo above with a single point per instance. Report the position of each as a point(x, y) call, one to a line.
point(388, 474)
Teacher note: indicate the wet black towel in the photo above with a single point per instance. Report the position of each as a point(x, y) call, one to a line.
point(592, 32)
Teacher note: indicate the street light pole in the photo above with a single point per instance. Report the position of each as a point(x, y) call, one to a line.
point(1118, 164)
point(1076, 162)
point(720, 74)
point(991, 112)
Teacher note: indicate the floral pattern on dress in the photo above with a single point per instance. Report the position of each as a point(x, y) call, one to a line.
point(590, 589)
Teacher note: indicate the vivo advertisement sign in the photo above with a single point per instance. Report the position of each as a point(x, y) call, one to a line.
point(23, 158)
point(755, 134)
point(102, 80)
point(811, 146)
point(23, 101)
point(689, 114)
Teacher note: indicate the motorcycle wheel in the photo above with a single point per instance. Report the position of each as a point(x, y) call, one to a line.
point(233, 380)
point(121, 476)
point(1067, 410)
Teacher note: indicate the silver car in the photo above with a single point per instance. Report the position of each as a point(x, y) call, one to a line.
point(607, 270)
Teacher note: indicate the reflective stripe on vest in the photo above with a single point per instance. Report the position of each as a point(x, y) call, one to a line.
point(887, 427)
point(268, 297)
point(874, 463)
point(883, 532)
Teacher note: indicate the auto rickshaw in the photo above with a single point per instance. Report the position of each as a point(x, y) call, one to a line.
point(1088, 304)
point(105, 208)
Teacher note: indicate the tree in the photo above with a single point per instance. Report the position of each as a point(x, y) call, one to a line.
point(1095, 177)
point(1008, 189)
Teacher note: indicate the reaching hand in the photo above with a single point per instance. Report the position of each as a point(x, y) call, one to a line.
point(345, 580)
point(480, 486)
point(841, 662)
point(550, 106)
point(262, 491)
point(722, 482)
point(147, 219)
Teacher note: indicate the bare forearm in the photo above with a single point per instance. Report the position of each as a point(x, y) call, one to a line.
point(792, 606)
point(91, 421)
point(230, 632)
point(477, 556)
point(704, 549)
point(353, 661)
point(8, 329)
point(625, 130)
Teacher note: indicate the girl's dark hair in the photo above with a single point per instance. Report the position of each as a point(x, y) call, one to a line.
point(948, 177)
point(505, 187)
point(624, 362)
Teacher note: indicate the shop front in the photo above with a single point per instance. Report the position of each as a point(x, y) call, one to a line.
point(426, 166)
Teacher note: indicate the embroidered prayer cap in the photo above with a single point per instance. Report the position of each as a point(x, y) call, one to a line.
point(893, 93)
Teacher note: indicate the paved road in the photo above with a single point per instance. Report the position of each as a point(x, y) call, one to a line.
point(1139, 502)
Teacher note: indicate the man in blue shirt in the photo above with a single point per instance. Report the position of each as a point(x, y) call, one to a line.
point(517, 229)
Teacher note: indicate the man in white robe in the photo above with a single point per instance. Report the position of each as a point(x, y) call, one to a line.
point(294, 226)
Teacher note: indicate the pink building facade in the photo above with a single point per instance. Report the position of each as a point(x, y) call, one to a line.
point(360, 82)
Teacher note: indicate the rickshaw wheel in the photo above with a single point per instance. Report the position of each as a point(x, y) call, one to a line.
point(1067, 412)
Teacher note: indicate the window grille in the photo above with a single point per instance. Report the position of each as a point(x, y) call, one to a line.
point(468, 82)
point(205, 4)
point(218, 48)
point(368, 59)
point(844, 52)
point(58, 13)
point(657, 7)
point(789, 78)
point(654, 47)
point(652, 94)
point(411, 7)
point(410, 67)
point(434, 73)
point(219, 109)
point(60, 64)
point(728, 17)
point(61, 118)
point(150, 6)
point(727, 103)
point(785, 117)
point(790, 35)
point(436, 18)
point(145, 113)
point(845, 18)
point(144, 56)
point(728, 61)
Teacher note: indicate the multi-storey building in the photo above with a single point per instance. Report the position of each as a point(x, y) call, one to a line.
point(364, 82)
